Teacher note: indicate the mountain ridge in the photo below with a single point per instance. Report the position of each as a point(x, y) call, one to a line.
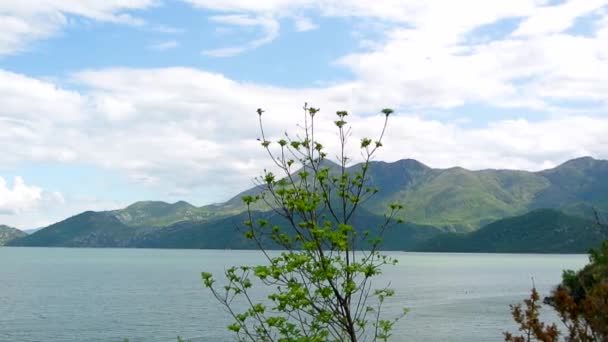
point(452, 199)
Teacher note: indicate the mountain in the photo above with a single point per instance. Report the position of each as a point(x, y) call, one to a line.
point(225, 233)
point(462, 200)
point(576, 186)
point(453, 199)
point(539, 231)
point(89, 229)
point(9, 233)
point(103, 229)
point(156, 214)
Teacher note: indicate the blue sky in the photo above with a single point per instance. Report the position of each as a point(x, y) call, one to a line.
point(106, 103)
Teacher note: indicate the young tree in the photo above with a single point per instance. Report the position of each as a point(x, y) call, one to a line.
point(321, 283)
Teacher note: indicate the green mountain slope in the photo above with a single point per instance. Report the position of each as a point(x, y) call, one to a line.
point(9, 233)
point(155, 214)
point(228, 233)
point(453, 199)
point(460, 199)
point(576, 186)
point(464, 200)
point(539, 231)
point(89, 229)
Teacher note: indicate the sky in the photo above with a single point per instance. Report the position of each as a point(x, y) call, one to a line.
point(104, 103)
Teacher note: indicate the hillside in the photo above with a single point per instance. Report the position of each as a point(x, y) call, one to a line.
point(575, 187)
point(453, 199)
point(103, 229)
point(227, 233)
point(9, 233)
point(155, 214)
point(89, 229)
point(462, 200)
point(539, 231)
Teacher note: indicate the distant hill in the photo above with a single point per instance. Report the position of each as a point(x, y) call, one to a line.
point(453, 199)
point(463, 200)
point(227, 233)
point(540, 231)
point(9, 233)
point(103, 229)
point(89, 229)
point(160, 214)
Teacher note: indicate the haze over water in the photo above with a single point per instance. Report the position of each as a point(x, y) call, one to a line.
point(56, 294)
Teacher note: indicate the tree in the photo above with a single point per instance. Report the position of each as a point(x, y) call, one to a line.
point(321, 284)
point(581, 302)
point(529, 322)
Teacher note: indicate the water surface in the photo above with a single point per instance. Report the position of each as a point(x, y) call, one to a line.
point(57, 294)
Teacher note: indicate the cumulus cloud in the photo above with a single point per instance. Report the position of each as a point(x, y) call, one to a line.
point(511, 144)
point(433, 63)
point(430, 53)
point(183, 128)
point(18, 197)
point(186, 129)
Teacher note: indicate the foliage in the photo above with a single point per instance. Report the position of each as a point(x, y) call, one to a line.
point(582, 299)
point(321, 284)
point(529, 322)
point(581, 302)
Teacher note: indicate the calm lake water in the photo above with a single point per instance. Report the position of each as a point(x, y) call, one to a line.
point(56, 294)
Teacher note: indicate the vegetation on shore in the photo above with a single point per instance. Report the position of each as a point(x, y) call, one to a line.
point(580, 300)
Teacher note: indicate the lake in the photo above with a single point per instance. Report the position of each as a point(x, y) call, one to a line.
point(57, 294)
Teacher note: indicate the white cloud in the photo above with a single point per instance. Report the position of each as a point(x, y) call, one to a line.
point(304, 24)
point(25, 21)
point(164, 46)
point(261, 6)
point(18, 197)
point(184, 129)
point(224, 52)
point(269, 26)
point(510, 144)
point(428, 56)
point(557, 19)
point(23, 97)
point(434, 64)
point(168, 29)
